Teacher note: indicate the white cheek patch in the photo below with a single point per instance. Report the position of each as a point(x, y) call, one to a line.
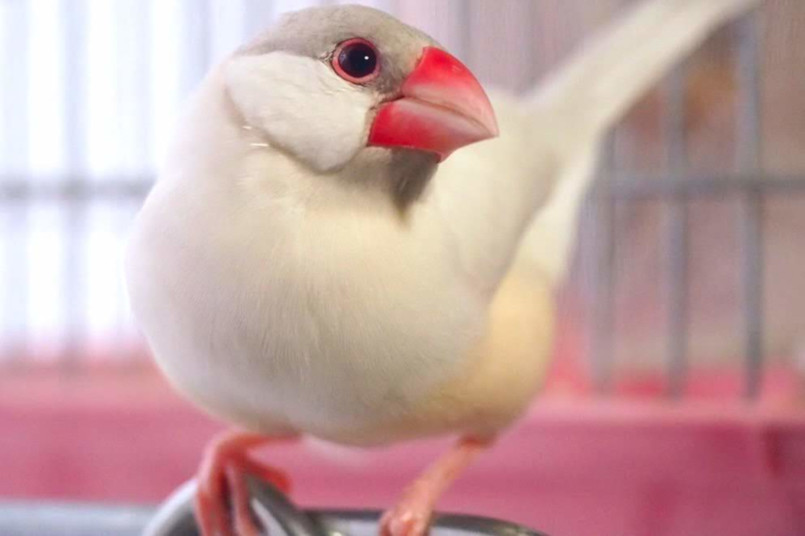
point(302, 106)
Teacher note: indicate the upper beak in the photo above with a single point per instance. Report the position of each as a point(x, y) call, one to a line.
point(442, 107)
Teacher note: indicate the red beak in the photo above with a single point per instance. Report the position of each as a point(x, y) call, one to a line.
point(442, 107)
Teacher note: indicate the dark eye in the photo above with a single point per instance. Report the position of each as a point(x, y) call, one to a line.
point(356, 60)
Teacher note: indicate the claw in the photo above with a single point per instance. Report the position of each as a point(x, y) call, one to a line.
point(406, 521)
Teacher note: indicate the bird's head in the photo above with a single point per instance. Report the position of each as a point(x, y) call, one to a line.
point(329, 84)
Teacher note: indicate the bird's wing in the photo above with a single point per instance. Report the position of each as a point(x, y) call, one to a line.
point(492, 193)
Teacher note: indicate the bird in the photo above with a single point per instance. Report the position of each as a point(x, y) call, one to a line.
point(350, 241)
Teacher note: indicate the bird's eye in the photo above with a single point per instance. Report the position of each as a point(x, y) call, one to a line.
point(356, 60)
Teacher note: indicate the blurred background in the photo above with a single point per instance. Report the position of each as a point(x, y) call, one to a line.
point(674, 406)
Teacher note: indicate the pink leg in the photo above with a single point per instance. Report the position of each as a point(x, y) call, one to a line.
point(412, 513)
point(221, 483)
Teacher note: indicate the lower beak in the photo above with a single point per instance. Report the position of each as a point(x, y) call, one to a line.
point(442, 107)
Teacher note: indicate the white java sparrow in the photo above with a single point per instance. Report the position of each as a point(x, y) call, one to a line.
point(313, 260)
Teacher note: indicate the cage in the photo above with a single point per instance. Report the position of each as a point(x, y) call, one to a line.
point(673, 406)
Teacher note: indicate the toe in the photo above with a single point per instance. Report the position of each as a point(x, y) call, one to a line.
point(404, 522)
point(241, 502)
point(212, 514)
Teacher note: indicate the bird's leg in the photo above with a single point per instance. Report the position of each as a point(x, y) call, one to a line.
point(412, 513)
point(222, 482)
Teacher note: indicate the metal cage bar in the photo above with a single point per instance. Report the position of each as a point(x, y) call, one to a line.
point(199, 54)
point(14, 54)
point(602, 350)
point(749, 159)
point(677, 236)
point(465, 14)
point(637, 188)
point(75, 214)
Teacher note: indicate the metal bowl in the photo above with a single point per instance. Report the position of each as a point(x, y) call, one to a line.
point(175, 517)
point(283, 518)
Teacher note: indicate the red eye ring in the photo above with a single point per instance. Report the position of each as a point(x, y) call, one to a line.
point(356, 60)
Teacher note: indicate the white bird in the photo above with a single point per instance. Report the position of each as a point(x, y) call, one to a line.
point(313, 261)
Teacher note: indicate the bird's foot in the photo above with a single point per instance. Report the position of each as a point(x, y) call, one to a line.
point(409, 517)
point(222, 499)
